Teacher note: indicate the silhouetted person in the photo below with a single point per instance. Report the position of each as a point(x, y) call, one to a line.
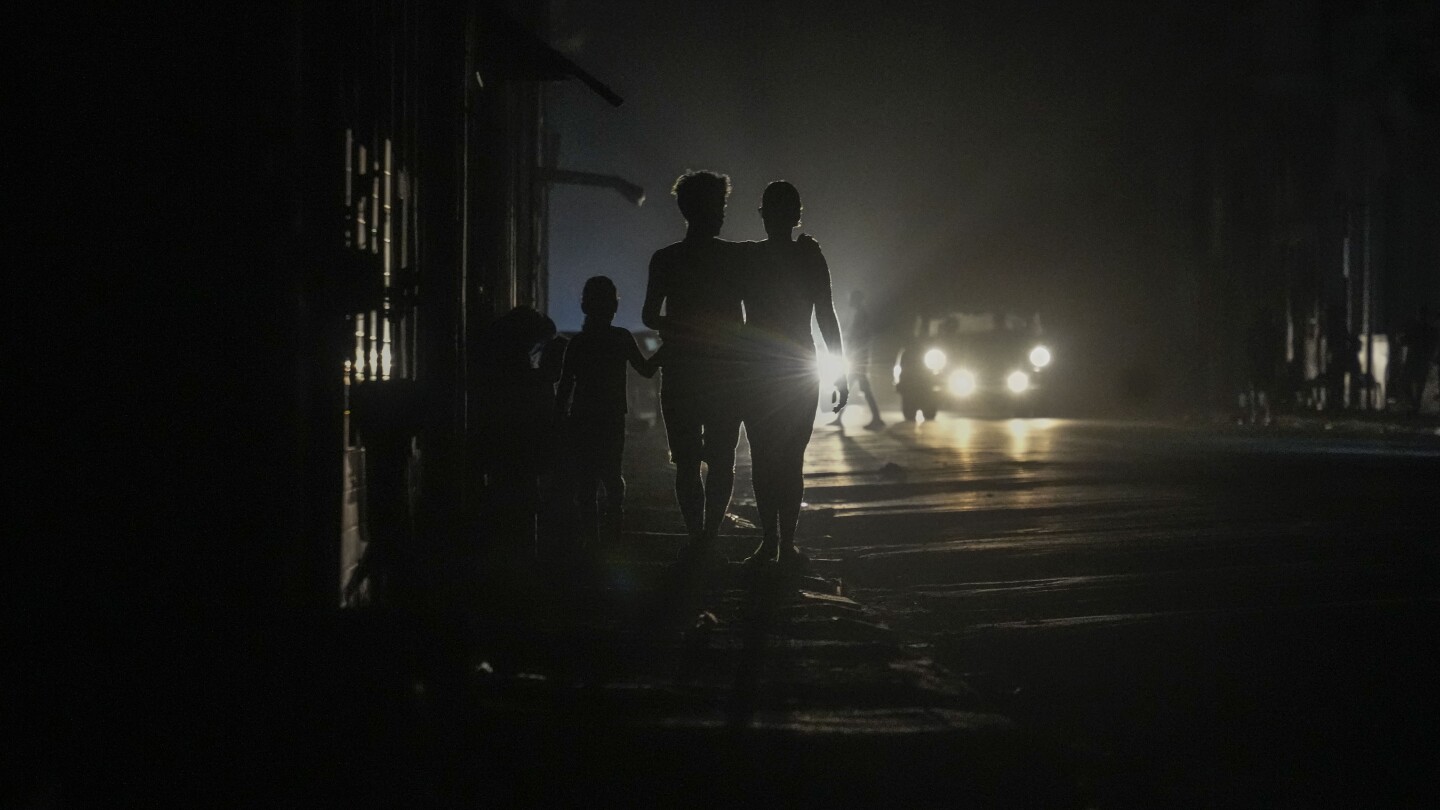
point(1343, 352)
point(696, 283)
point(788, 282)
point(1263, 351)
point(523, 362)
point(860, 340)
point(591, 403)
point(1421, 340)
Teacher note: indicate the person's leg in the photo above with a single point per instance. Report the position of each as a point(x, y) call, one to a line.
point(762, 466)
point(791, 493)
point(796, 426)
point(587, 486)
point(614, 483)
point(863, 380)
point(683, 430)
point(721, 435)
point(584, 484)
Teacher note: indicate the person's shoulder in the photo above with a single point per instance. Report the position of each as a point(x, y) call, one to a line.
point(807, 241)
point(808, 249)
point(669, 252)
point(808, 245)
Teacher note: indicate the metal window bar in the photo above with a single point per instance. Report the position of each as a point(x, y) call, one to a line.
point(381, 89)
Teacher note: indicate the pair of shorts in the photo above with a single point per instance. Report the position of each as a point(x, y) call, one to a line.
point(702, 422)
point(780, 412)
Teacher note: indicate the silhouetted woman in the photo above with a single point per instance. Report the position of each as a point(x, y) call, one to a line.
point(788, 282)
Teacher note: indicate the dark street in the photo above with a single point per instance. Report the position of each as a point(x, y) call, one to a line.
point(1223, 617)
point(382, 365)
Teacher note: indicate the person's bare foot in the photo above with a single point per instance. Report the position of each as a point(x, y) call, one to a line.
point(764, 553)
point(792, 558)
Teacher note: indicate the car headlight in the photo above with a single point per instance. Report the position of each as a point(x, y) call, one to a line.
point(1040, 357)
point(962, 383)
point(934, 359)
point(1018, 382)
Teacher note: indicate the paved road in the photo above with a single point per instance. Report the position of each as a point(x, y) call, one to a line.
point(1215, 616)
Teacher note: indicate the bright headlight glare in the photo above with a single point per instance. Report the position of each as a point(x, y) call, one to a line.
point(1018, 381)
point(832, 366)
point(962, 383)
point(934, 359)
point(1039, 357)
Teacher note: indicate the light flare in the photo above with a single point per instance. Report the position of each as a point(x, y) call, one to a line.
point(832, 366)
point(962, 383)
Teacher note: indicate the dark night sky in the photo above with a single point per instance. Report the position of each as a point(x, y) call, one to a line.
point(1027, 154)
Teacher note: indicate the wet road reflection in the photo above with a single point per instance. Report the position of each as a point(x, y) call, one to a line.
point(1197, 601)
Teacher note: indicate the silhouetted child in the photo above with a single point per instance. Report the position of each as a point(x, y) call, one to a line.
point(591, 401)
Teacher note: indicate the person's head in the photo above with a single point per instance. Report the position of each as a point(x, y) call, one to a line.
point(780, 207)
point(857, 298)
point(701, 197)
point(599, 299)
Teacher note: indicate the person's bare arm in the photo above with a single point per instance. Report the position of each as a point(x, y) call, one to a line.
point(655, 294)
point(645, 366)
point(567, 384)
point(824, 301)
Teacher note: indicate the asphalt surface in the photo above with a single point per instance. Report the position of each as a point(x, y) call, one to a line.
point(1212, 616)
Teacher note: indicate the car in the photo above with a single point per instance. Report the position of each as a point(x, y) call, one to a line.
point(974, 363)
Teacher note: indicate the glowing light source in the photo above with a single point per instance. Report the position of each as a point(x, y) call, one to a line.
point(1018, 382)
point(1039, 357)
point(962, 383)
point(934, 359)
point(832, 367)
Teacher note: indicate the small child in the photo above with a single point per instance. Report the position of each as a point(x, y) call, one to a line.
point(591, 402)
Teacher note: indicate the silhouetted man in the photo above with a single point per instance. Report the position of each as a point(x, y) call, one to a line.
point(696, 283)
point(787, 284)
point(860, 339)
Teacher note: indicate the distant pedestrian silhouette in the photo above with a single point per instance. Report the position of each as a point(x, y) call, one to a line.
point(1421, 339)
point(693, 299)
point(860, 344)
point(1264, 352)
point(1342, 367)
point(592, 406)
point(787, 283)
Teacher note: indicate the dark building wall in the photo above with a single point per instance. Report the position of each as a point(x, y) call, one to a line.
point(1319, 195)
point(193, 296)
